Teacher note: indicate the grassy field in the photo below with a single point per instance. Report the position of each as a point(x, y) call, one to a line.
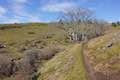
point(67, 65)
point(103, 51)
point(17, 36)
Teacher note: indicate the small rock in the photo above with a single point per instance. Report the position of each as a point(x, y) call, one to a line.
point(2, 45)
point(110, 44)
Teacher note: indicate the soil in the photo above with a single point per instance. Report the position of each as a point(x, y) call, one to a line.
point(89, 69)
point(92, 74)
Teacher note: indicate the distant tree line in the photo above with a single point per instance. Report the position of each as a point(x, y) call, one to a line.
point(115, 24)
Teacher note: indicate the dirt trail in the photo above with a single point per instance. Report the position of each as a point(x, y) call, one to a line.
point(88, 66)
point(91, 74)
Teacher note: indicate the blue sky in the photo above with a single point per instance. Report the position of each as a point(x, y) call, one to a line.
point(12, 11)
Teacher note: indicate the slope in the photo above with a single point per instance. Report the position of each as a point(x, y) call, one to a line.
point(67, 65)
point(104, 55)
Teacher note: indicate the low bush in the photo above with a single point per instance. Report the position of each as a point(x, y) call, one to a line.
point(7, 66)
point(48, 52)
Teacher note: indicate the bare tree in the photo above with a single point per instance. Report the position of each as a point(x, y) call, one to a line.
point(77, 14)
point(75, 20)
point(80, 24)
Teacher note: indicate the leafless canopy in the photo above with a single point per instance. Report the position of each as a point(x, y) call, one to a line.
point(80, 25)
point(76, 14)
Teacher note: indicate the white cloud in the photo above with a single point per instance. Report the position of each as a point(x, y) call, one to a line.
point(20, 1)
point(6, 20)
point(58, 7)
point(34, 19)
point(11, 21)
point(20, 13)
point(20, 19)
point(18, 6)
point(2, 11)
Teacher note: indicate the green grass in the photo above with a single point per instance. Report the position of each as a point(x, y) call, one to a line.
point(67, 65)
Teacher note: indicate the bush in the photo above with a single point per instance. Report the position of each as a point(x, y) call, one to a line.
point(31, 32)
point(27, 66)
point(7, 66)
point(42, 54)
point(10, 26)
point(48, 52)
point(85, 31)
point(114, 24)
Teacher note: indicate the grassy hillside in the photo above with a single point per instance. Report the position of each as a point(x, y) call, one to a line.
point(18, 37)
point(67, 65)
point(104, 52)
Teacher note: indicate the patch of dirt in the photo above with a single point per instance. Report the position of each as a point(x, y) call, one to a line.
point(110, 76)
point(92, 74)
point(88, 66)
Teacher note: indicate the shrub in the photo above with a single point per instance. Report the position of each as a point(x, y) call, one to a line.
point(10, 26)
point(28, 63)
point(27, 66)
point(31, 32)
point(7, 66)
point(48, 52)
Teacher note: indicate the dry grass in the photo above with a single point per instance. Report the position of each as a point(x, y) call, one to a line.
point(105, 58)
point(67, 65)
